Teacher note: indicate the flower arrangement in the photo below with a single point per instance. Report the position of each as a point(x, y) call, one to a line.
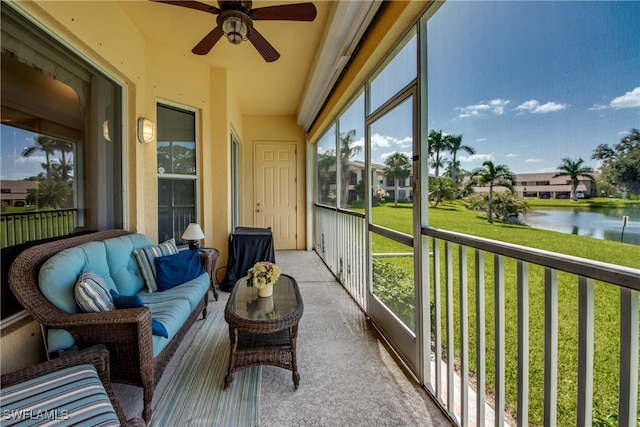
point(262, 274)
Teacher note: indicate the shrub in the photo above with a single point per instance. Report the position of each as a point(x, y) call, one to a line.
point(394, 286)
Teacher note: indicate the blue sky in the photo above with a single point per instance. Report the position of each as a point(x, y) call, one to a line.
point(525, 83)
point(14, 166)
point(528, 83)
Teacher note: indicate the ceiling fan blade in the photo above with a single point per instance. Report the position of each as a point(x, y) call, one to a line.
point(208, 41)
point(265, 49)
point(285, 12)
point(191, 5)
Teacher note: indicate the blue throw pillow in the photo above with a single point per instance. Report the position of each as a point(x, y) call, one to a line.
point(123, 301)
point(158, 328)
point(134, 301)
point(174, 270)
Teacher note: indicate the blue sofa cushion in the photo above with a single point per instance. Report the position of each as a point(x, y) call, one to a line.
point(58, 275)
point(59, 339)
point(193, 291)
point(93, 294)
point(174, 270)
point(146, 256)
point(172, 314)
point(70, 396)
point(123, 266)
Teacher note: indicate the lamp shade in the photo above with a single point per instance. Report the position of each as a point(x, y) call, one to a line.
point(193, 232)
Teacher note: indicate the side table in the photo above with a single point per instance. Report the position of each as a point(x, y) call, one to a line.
point(209, 257)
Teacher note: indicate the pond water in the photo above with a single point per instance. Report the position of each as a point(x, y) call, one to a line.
point(599, 223)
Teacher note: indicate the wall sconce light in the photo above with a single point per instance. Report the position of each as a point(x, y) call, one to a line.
point(105, 130)
point(146, 130)
point(193, 234)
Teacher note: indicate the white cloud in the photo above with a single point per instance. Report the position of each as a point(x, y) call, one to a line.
point(481, 140)
point(380, 141)
point(384, 141)
point(358, 143)
point(498, 105)
point(598, 107)
point(475, 158)
point(495, 106)
point(406, 142)
point(510, 155)
point(533, 160)
point(628, 100)
point(533, 106)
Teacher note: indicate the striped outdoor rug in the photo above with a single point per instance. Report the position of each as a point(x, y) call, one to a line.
point(195, 395)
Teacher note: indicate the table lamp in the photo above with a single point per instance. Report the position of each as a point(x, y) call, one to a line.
point(193, 234)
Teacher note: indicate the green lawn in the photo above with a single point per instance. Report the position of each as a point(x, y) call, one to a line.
point(455, 217)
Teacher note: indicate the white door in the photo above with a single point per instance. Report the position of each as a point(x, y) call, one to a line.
point(275, 191)
point(391, 246)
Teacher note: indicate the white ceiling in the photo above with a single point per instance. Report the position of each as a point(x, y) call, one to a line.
point(310, 52)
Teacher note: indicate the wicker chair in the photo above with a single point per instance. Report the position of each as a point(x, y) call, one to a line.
point(126, 333)
point(96, 355)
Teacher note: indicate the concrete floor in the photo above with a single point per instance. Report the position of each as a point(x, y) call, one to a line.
point(347, 375)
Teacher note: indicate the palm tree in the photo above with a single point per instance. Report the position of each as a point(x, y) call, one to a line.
point(493, 175)
point(347, 151)
point(398, 166)
point(438, 141)
point(45, 144)
point(455, 145)
point(441, 188)
point(574, 170)
point(325, 161)
point(64, 167)
point(50, 194)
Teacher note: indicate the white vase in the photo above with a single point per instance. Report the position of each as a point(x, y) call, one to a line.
point(267, 291)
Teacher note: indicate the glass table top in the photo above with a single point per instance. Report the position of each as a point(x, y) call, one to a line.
point(248, 305)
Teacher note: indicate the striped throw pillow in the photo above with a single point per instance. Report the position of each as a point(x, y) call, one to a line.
point(146, 256)
point(92, 293)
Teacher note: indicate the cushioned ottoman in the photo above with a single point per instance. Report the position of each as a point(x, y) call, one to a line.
point(71, 390)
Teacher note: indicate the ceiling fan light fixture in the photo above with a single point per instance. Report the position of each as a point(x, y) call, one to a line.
point(235, 29)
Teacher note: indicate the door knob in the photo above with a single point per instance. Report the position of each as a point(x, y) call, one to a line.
point(258, 210)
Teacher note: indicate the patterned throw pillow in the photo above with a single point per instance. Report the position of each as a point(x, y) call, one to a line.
point(146, 256)
point(92, 293)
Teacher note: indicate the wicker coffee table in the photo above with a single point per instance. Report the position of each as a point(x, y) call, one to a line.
point(263, 331)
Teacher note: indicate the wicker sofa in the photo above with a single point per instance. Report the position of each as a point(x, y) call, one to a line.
point(138, 357)
point(58, 377)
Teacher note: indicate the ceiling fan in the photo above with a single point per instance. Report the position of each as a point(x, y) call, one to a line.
point(235, 22)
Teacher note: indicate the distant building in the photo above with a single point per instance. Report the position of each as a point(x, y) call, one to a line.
point(379, 182)
point(545, 186)
point(14, 193)
point(540, 185)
